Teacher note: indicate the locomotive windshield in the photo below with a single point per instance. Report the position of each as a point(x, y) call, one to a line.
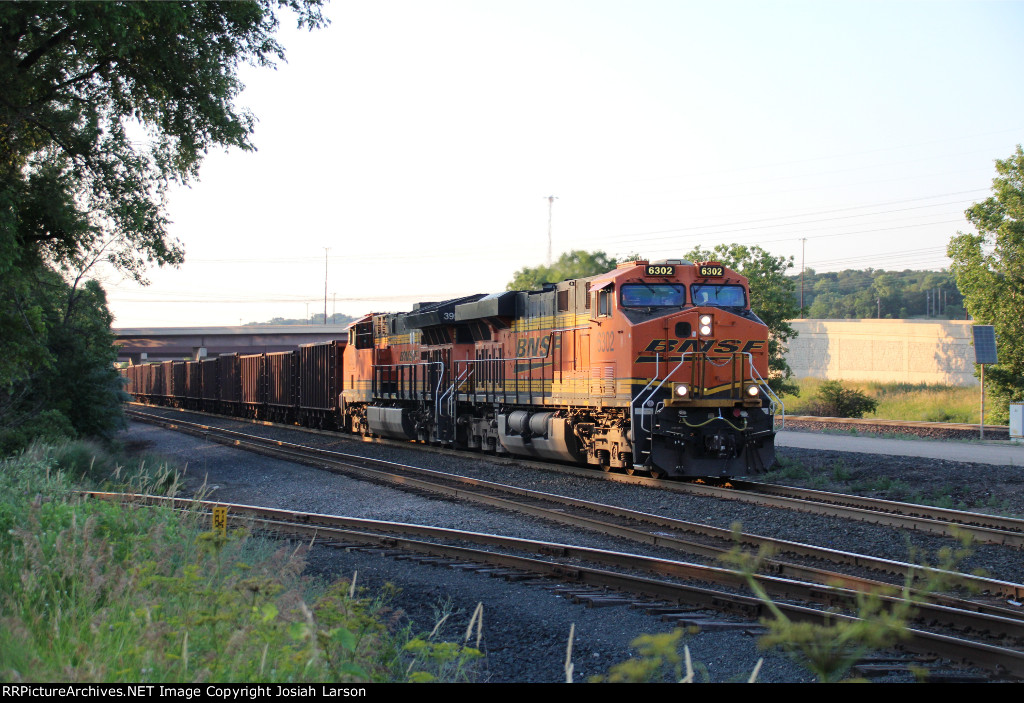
point(653, 295)
point(721, 296)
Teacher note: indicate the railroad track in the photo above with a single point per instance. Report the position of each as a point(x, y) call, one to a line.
point(948, 430)
point(679, 535)
point(993, 529)
point(984, 528)
point(677, 590)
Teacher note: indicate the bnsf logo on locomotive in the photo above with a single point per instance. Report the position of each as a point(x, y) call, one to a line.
point(533, 346)
point(713, 346)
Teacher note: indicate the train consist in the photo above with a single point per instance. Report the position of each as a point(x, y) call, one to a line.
point(653, 367)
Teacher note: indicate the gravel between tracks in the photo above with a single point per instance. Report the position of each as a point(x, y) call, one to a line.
point(526, 627)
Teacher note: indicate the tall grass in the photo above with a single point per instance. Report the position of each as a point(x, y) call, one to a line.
point(902, 401)
point(91, 591)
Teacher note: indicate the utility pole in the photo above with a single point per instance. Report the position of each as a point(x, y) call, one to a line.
point(551, 202)
point(326, 249)
point(803, 252)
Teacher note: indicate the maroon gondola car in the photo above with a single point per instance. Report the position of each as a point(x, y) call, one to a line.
point(320, 383)
point(253, 372)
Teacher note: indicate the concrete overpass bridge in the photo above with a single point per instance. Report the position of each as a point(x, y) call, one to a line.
point(162, 343)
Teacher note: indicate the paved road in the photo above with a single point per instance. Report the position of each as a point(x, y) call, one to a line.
point(1000, 453)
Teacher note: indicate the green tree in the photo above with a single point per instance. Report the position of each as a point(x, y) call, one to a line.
point(77, 77)
point(70, 388)
point(989, 271)
point(896, 294)
point(772, 298)
point(104, 105)
point(888, 291)
point(572, 264)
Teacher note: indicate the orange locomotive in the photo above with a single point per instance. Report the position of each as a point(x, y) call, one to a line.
point(655, 367)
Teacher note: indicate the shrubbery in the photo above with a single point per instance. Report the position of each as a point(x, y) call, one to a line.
point(93, 591)
point(835, 400)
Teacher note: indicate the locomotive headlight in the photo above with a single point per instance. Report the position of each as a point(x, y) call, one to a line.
point(705, 325)
point(753, 391)
point(680, 390)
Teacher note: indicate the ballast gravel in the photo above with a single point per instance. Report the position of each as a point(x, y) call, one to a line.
point(526, 627)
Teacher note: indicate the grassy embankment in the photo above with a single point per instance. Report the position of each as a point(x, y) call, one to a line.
point(896, 401)
point(94, 592)
point(902, 401)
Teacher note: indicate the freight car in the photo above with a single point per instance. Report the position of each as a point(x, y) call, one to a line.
point(654, 367)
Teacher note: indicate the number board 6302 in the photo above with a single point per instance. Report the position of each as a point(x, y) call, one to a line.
point(708, 271)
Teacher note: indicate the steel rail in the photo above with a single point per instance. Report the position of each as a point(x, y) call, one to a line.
point(869, 513)
point(995, 657)
point(982, 528)
point(960, 517)
point(907, 424)
point(462, 487)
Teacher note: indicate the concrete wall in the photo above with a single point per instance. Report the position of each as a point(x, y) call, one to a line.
point(914, 351)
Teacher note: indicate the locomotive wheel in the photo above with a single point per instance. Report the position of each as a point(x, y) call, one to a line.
point(631, 470)
point(658, 473)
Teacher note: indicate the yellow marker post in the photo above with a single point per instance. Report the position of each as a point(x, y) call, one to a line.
point(220, 519)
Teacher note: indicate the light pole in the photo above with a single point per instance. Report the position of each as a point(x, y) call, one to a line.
point(803, 251)
point(326, 249)
point(551, 202)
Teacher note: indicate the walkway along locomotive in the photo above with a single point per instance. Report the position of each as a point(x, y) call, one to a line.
point(655, 367)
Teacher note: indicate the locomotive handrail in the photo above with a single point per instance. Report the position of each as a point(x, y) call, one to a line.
point(450, 394)
point(682, 360)
point(545, 355)
point(437, 399)
point(632, 412)
point(650, 432)
point(437, 388)
point(773, 399)
point(407, 365)
point(476, 361)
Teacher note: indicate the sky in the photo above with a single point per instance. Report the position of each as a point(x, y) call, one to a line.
point(414, 145)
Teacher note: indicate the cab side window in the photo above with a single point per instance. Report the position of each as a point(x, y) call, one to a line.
point(604, 302)
point(364, 336)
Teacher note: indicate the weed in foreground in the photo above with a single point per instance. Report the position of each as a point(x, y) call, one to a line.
point(434, 660)
point(827, 650)
point(660, 660)
point(830, 650)
point(93, 591)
